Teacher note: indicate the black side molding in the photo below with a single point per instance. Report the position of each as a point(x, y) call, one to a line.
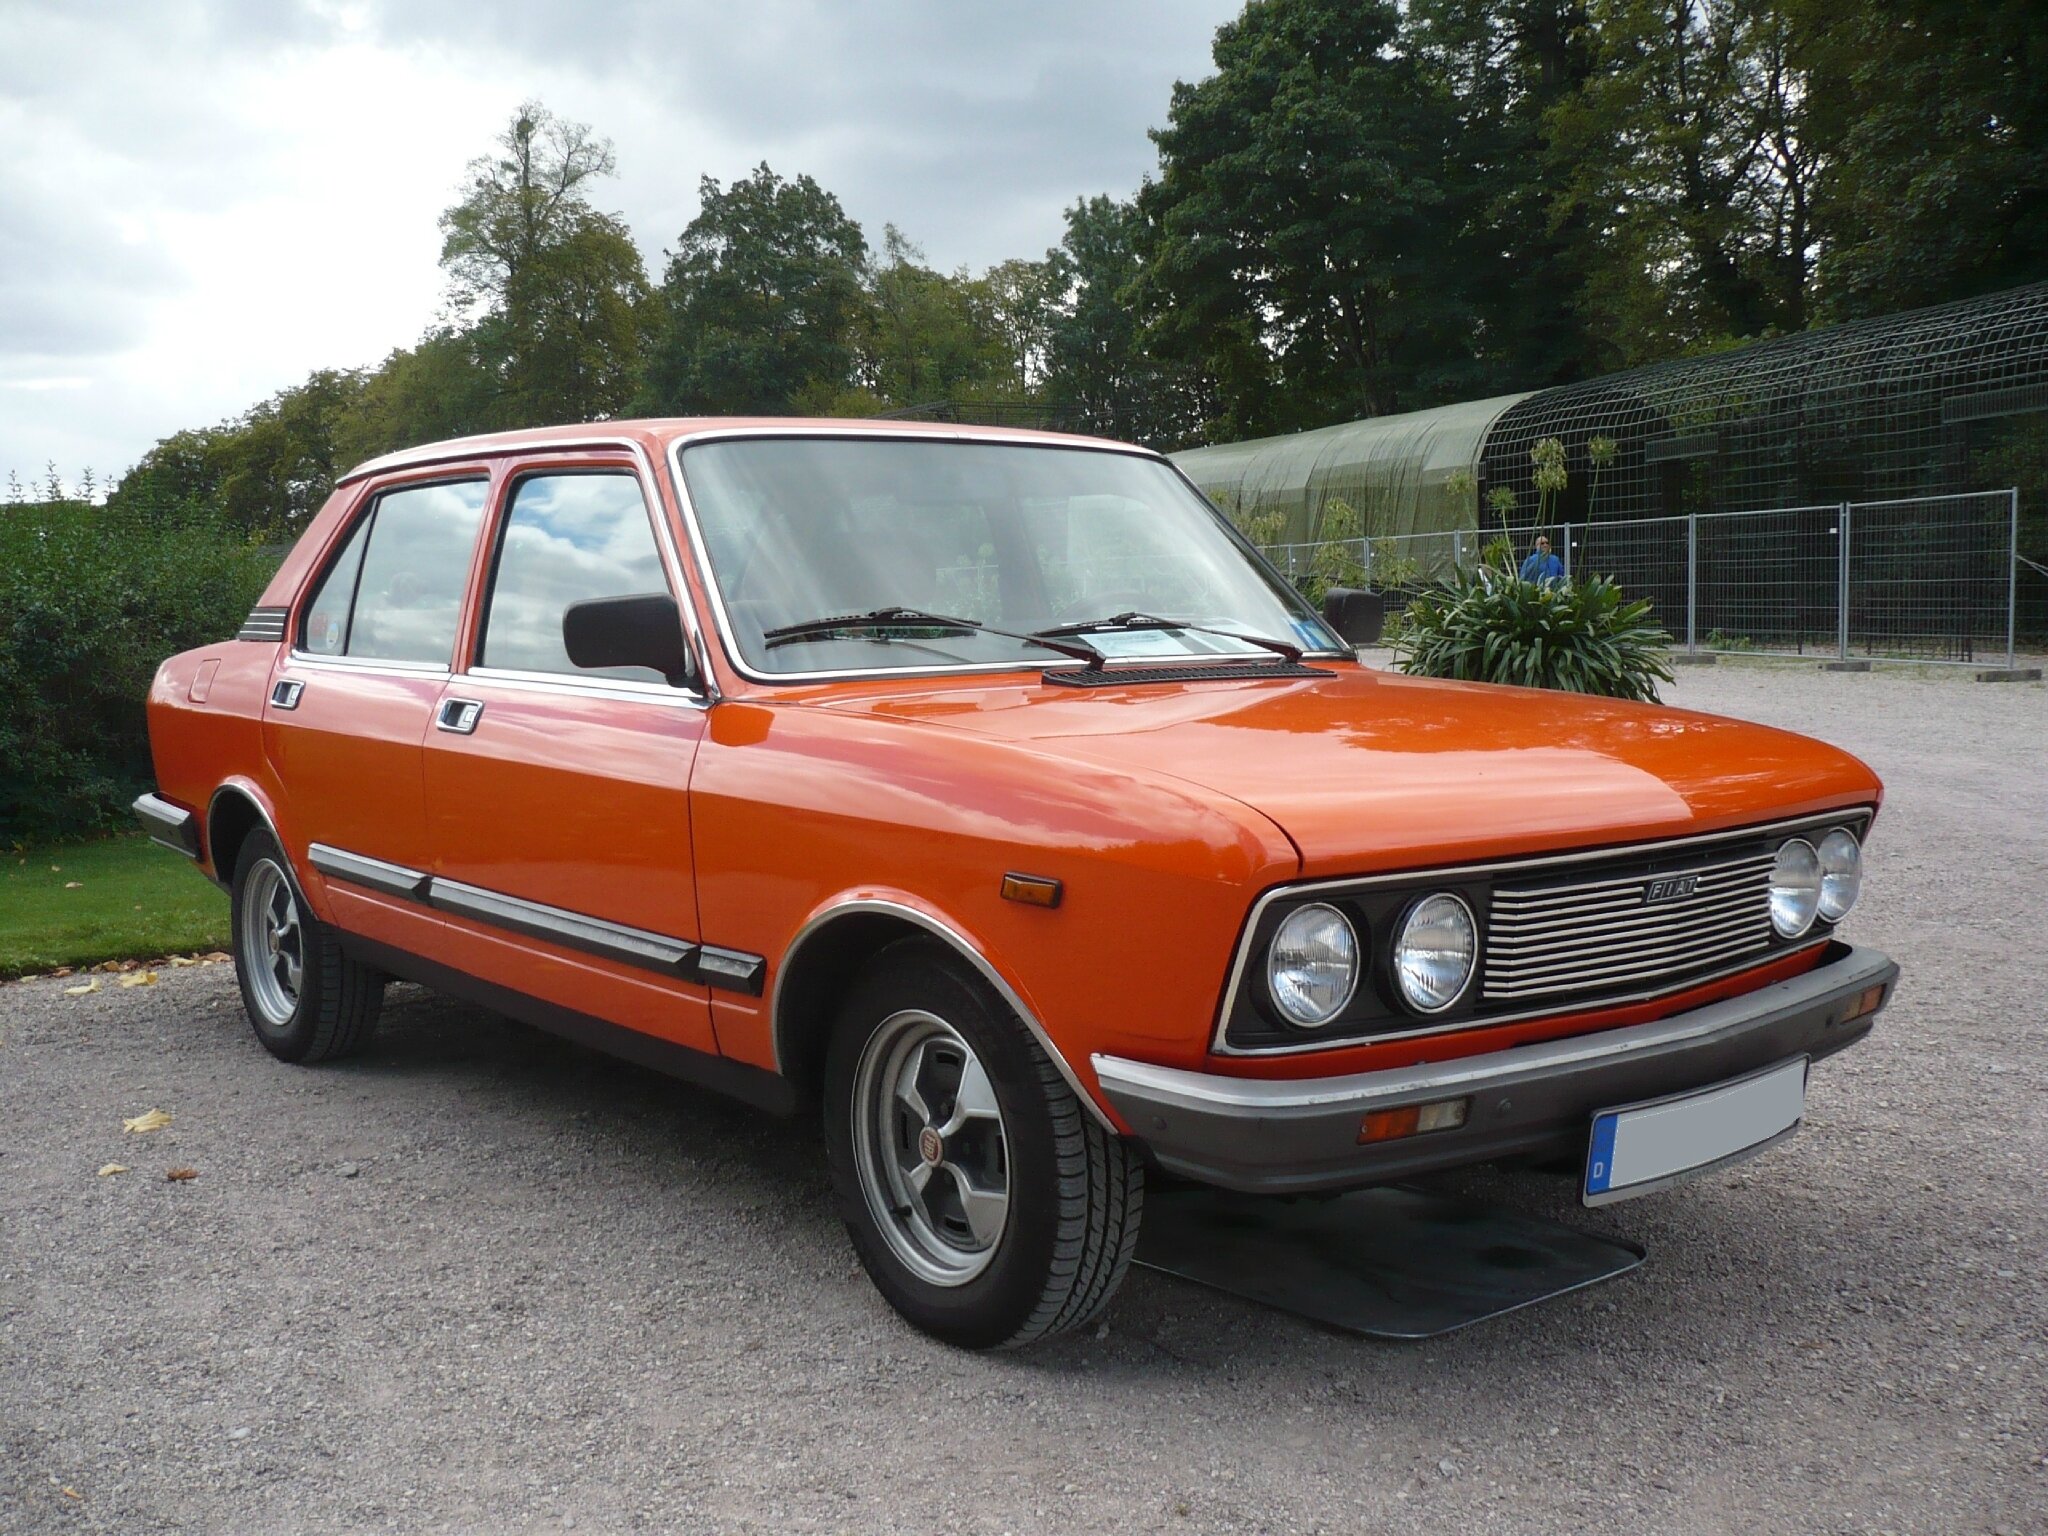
point(731, 970)
point(753, 1085)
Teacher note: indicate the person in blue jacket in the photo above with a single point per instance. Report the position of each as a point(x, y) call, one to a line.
point(1542, 566)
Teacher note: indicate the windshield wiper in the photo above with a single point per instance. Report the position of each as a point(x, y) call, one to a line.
point(897, 617)
point(1153, 621)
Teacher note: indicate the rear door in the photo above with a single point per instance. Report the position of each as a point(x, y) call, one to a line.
point(352, 696)
point(557, 799)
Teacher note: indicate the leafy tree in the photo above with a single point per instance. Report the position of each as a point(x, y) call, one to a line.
point(1017, 300)
point(927, 336)
point(761, 305)
point(1303, 240)
point(443, 387)
point(1932, 118)
point(1693, 174)
point(267, 470)
point(1099, 377)
point(1506, 65)
point(559, 284)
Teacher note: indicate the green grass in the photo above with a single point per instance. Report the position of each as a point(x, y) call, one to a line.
point(133, 900)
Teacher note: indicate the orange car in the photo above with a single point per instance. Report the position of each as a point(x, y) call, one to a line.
point(988, 793)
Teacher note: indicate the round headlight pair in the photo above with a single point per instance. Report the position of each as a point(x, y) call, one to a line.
point(1809, 882)
point(1312, 965)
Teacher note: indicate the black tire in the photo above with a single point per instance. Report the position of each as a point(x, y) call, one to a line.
point(1075, 1193)
point(331, 1009)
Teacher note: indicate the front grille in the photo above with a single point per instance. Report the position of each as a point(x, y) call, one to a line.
point(1591, 936)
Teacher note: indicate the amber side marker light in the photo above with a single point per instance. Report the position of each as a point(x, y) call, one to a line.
point(1032, 890)
point(1868, 1001)
point(1414, 1120)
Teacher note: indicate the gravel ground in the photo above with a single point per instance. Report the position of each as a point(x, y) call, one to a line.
point(481, 1280)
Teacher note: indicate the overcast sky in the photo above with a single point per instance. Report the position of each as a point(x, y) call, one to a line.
point(201, 201)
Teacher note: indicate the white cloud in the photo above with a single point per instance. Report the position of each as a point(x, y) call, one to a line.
point(205, 200)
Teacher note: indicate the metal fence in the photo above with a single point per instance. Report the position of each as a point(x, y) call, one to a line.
point(1929, 579)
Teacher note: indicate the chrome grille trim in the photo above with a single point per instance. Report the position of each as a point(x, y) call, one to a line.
point(1619, 994)
point(1590, 935)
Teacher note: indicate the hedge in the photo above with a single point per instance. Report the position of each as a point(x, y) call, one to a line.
point(91, 600)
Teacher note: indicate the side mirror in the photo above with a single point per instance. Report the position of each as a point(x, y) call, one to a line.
point(642, 630)
point(1358, 617)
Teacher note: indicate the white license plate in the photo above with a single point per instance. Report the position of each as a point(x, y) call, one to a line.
point(1638, 1148)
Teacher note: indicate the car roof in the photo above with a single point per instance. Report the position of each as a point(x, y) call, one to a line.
point(655, 435)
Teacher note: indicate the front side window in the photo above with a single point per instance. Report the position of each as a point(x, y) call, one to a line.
point(1020, 537)
point(567, 538)
point(394, 593)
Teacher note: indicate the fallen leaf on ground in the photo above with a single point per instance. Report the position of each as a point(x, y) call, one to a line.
point(151, 1120)
point(74, 885)
point(183, 960)
point(215, 955)
point(112, 1168)
point(62, 970)
point(139, 979)
point(181, 1174)
point(70, 1492)
point(90, 986)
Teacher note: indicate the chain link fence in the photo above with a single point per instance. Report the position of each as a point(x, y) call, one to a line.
point(1928, 579)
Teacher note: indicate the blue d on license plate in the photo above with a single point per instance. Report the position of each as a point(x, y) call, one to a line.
point(1637, 1148)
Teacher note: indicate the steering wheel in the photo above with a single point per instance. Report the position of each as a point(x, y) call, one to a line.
point(1100, 605)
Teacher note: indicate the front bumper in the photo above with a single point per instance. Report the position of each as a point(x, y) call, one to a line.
point(1276, 1136)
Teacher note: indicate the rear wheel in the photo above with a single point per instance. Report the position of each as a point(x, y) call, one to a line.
point(306, 1001)
point(987, 1205)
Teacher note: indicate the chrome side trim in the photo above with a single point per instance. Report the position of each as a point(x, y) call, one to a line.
point(733, 970)
point(1853, 817)
point(958, 942)
point(360, 869)
point(567, 684)
point(370, 664)
point(592, 935)
point(170, 826)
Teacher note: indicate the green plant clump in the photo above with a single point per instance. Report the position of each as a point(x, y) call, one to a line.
point(91, 600)
point(1487, 627)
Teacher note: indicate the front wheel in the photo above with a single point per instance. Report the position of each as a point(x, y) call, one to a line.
point(987, 1205)
point(306, 1000)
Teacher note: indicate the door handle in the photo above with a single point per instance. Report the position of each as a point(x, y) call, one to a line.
point(459, 715)
point(284, 693)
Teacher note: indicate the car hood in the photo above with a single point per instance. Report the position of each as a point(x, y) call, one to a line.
point(1366, 770)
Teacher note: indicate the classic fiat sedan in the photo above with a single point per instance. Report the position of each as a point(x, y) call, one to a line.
point(987, 794)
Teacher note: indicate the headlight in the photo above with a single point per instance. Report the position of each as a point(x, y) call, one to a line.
point(1434, 952)
point(1841, 873)
point(1312, 966)
point(1795, 888)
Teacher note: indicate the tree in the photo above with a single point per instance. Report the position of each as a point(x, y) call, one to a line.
point(1932, 117)
point(1016, 299)
point(1693, 174)
point(1304, 246)
point(443, 387)
point(761, 305)
point(1098, 375)
point(927, 337)
point(554, 286)
point(1506, 65)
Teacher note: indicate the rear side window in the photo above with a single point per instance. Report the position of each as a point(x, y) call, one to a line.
point(395, 591)
point(567, 538)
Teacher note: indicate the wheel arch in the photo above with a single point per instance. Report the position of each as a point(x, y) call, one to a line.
point(235, 810)
point(830, 950)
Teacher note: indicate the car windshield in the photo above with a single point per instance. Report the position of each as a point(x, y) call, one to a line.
point(1017, 537)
